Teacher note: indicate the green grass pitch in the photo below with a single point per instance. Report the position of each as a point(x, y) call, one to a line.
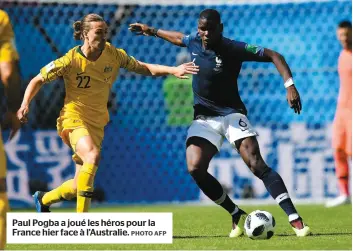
point(207, 227)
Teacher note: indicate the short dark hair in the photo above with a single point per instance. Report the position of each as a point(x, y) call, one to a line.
point(210, 14)
point(345, 24)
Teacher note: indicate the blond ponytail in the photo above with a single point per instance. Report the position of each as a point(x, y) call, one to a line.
point(77, 30)
point(83, 26)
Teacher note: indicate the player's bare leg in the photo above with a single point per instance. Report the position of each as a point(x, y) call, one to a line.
point(10, 77)
point(199, 153)
point(250, 152)
point(342, 174)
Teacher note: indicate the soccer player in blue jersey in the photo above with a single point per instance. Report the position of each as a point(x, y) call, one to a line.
point(220, 113)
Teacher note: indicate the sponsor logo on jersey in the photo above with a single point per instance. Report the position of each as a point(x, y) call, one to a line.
point(108, 68)
point(106, 80)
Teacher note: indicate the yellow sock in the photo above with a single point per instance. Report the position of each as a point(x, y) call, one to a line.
point(85, 182)
point(4, 207)
point(65, 191)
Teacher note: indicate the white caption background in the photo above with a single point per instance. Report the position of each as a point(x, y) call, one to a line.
point(61, 228)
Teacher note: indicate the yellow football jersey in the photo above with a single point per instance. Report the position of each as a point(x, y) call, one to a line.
point(88, 83)
point(6, 32)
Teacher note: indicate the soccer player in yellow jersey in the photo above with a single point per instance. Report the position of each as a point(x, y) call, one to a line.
point(9, 75)
point(10, 78)
point(89, 72)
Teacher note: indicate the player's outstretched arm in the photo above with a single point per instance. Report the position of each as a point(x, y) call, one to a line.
point(173, 37)
point(32, 89)
point(180, 71)
point(293, 96)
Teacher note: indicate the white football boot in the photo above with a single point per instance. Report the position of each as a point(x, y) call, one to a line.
point(238, 221)
point(338, 201)
point(299, 227)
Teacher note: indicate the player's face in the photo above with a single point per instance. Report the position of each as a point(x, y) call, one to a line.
point(97, 35)
point(344, 35)
point(210, 31)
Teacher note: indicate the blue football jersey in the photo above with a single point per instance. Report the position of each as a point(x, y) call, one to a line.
point(215, 85)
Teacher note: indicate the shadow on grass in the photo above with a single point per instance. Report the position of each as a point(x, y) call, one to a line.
point(316, 234)
point(199, 237)
point(280, 235)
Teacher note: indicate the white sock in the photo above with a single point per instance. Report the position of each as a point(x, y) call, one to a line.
point(293, 217)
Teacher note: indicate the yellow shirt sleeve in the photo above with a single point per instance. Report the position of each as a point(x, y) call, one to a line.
point(56, 68)
point(6, 32)
point(128, 62)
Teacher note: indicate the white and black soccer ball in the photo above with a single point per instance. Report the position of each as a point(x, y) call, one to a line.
point(259, 225)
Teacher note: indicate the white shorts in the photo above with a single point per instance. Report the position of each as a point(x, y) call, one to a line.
point(232, 127)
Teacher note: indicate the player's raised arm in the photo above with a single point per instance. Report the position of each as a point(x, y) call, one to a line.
point(173, 37)
point(32, 89)
point(131, 64)
point(180, 71)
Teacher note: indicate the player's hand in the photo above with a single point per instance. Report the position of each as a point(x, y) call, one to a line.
point(22, 113)
point(141, 29)
point(184, 69)
point(11, 122)
point(293, 99)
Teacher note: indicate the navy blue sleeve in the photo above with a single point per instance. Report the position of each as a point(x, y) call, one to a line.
point(248, 52)
point(187, 39)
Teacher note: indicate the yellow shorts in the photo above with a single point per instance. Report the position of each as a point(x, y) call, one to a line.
point(8, 52)
point(2, 159)
point(71, 130)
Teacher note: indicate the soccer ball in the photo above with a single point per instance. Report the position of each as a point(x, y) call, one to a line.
point(259, 225)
